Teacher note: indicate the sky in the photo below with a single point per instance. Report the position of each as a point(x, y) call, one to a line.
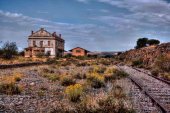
point(96, 25)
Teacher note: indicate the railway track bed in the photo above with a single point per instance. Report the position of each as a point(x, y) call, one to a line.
point(150, 95)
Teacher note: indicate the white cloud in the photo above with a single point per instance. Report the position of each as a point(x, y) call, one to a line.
point(20, 27)
point(83, 1)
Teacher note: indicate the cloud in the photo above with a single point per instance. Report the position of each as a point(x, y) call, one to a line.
point(83, 1)
point(102, 29)
point(42, 12)
point(104, 11)
point(19, 25)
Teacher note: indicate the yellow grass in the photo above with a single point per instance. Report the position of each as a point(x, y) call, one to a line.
point(11, 78)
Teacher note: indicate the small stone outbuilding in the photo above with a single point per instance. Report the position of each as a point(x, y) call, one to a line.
point(78, 51)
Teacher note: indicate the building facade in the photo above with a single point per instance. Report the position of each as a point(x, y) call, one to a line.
point(78, 51)
point(45, 43)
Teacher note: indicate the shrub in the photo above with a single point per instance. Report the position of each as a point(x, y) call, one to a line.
point(66, 81)
point(82, 64)
point(155, 72)
point(74, 92)
point(113, 73)
point(121, 74)
point(80, 75)
point(66, 63)
point(163, 63)
point(51, 76)
point(96, 80)
point(88, 104)
point(137, 62)
point(17, 79)
point(9, 49)
point(97, 69)
point(109, 74)
point(40, 55)
point(108, 104)
point(41, 93)
point(110, 70)
point(118, 92)
point(47, 70)
point(167, 76)
point(109, 77)
point(105, 62)
point(9, 88)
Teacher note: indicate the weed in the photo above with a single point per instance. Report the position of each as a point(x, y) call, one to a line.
point(66, 81)
point(96, 80)
point(74, 92)
point(9, 88)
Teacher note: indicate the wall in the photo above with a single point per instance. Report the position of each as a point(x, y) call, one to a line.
point(45, 45)
point(82, 52)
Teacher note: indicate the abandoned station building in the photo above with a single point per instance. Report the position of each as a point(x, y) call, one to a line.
point(43, 42)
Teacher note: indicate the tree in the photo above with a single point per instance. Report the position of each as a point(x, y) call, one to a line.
point(1, 52)
point(141, 42)
point(153, 42)
point(9, 49)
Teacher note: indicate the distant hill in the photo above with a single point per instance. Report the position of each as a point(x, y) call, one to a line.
point(104, 53)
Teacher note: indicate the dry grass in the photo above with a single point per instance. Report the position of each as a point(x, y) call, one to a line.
point(20, 59)
point(8, 84)
point(73, 87)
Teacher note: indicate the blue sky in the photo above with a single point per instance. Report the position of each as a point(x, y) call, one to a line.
point(97, 25)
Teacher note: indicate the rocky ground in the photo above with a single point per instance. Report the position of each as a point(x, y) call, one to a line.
point(45, 95)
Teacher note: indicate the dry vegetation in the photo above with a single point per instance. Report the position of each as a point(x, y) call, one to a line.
point(21, 59)
point(71, 85)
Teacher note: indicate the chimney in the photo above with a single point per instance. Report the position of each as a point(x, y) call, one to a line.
point(60, 35)
point(32, 32)
point(54, 34)
point(42, 29)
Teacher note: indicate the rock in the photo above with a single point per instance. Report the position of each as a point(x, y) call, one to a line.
point(32, 83)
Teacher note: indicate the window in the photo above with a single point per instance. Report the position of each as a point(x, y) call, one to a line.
point(41, 43)
point(34, 44)
point(78, 51)
point(49, 43)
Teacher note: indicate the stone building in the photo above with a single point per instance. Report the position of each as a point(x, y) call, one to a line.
point(44, 43)
point(78, 51)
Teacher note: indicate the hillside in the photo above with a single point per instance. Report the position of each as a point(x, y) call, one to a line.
point(148, 55)
point(155, 58)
